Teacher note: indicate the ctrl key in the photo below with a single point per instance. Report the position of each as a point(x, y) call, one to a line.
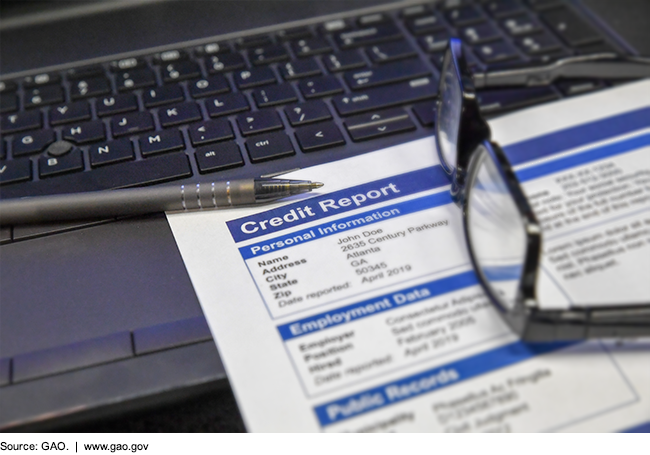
point(269, 147)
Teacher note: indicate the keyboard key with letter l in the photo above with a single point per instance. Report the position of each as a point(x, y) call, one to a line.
point(321, 136)
point(227, 104)
point(269, 146)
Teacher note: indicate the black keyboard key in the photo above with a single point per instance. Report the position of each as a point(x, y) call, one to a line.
point(478, 34)
point(210, 131)
point(521, 25)
point(383, 97)
point(426, 112)
point(435, 42)
point(33, 142)
point(85, 88)
point(83, 133)
point(309, 112)
point(116, 104)
point(318, 137)
point(259, 122)
point(227, 104)
point(269, 147)
point(335, 25)
point(224, 62)
point(47, 94)
point(180, 70)
point(179, 113)
point(386, 74)
point(366, 36)
point(274, 95)
point(111, 152)
point(503, 8)
point(299, 68)
point(210, 86)
point(254, 77)
point(498, 51)
point(41, 79)
point(415, 11)
point(8, 103)
point(69, 112)
point(320, 86)
point(425, 24)
point(21, 121)
point(500, 100)
point(84, 72)
point(136, 78)
point(294, 33)
point(156, 169)
point(8, 86)
point(162, 95)
point(49, 166)
point(311, 46)
point(542, 43)
point(134, 123)
point(270, 54)
point(541, 5)
point(344, 61)
point(161, 142)
point(571, 28)
point(211, 49)
point(371, 126)
point(464, 15)
point(254, 41)
point(388, 52)
point(372, 19)
point(127, 63)
point(217, 157)
point(170, 56)
point(15, 171)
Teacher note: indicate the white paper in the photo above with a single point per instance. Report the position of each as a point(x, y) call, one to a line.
point(355, 308)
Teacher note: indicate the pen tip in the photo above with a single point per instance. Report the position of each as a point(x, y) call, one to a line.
point(315, 185)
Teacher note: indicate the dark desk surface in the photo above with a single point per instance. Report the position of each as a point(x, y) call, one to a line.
point(216, 411)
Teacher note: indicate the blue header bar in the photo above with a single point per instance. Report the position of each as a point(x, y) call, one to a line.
point(430, 381)
point(563, 140)
point(344, 224)
point(585, 157)
point(376, 305)
point(338, 202)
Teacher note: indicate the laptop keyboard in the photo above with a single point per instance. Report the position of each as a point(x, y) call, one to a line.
point(195, 112)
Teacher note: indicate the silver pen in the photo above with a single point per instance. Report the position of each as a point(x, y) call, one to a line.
point(139, 201)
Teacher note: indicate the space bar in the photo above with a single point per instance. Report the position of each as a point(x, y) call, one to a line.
point(145, 172)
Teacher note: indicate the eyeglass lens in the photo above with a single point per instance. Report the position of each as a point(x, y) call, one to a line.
point(449, 109)
point(495, 229)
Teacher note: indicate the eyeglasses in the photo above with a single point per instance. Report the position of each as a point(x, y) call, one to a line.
point(503, 235)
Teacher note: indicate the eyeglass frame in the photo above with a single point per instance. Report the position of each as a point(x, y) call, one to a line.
point(526, 318)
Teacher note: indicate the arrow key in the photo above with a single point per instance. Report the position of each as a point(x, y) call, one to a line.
point(320, 136)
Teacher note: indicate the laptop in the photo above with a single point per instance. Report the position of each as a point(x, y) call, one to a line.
point(99, 317)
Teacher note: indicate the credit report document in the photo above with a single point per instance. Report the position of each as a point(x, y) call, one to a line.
point(355, 308)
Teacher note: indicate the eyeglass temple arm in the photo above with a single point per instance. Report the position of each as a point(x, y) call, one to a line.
point(605, 66)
